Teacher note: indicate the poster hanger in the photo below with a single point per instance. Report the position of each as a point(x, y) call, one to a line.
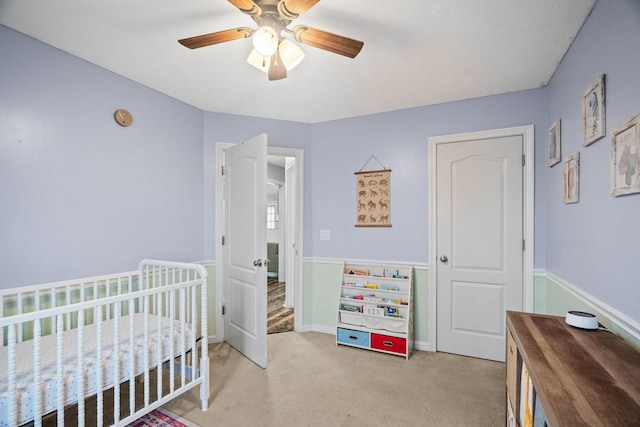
point(367, 162)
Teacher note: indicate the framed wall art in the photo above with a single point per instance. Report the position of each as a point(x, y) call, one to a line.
point(625, 160)
point(571, 175)
point(554, 143)
point(593, 112)
point(373, 198)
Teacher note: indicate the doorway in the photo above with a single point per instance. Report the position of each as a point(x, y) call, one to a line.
point(481, 238)
point(280, 311)
point(292, 250)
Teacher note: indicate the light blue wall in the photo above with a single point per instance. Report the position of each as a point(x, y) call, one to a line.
point(399, 141)
point(335, 150)
point(594, 244)
point(80, 195)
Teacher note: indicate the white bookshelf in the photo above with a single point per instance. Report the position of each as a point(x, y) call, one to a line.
point(375, 309)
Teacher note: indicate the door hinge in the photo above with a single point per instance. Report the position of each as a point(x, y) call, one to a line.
point(222, 170)
point(523, 159)
point(223, 309)
point(523, 248)
point(222, 240)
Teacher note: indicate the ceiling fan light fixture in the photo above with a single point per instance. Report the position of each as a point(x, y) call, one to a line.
point(259, 61)
point(265, 40)
point(290, 53)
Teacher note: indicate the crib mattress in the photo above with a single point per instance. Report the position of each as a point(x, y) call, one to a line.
point(111, 355)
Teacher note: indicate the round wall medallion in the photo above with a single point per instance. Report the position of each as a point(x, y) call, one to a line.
point(123, 117)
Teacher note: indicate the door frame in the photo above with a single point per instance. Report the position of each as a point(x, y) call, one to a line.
point(298, 154)
point(528, 138)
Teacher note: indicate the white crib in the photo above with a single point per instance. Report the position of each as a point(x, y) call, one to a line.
point(63, 342)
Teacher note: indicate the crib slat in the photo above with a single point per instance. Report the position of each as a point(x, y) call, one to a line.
point(132, 384)
point(188, 292)
point(59, 373)
point(37, 378)
point(145, 350)
point(52, 304)
point(80, 369)
point(11, 389)
point(172, 347)
point(159, 351)
point(173, 280)
point(182, 346)
point(99, 370)
point(19, 303)
point(194, 322)
point(68, 294)
point(116, 367)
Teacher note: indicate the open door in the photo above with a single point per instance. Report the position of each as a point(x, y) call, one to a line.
point(245, 248)
point(291, 237)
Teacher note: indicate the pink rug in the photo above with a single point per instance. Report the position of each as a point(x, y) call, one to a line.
point(161, 417)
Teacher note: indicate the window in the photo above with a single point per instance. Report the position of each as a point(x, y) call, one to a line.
point(272, 217)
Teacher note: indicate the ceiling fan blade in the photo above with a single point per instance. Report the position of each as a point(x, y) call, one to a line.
point(294, 8)
point(215, 38)
point(244, 5)
point(327, 41)
point(277, 70)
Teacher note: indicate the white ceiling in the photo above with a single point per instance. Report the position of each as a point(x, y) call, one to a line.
point(416, 52)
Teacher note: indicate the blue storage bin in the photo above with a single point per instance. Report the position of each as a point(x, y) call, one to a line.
point(349, 336)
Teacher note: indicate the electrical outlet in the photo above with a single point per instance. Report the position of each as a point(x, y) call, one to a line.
point(325, 234)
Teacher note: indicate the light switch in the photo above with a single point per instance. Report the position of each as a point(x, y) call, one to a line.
point(325, 234)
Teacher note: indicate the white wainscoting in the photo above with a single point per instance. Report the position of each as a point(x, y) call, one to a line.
point(617, 322)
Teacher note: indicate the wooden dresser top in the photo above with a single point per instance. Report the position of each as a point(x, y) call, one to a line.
point(582, 377)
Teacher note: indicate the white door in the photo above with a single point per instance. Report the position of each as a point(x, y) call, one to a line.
point(479, 241)
point(245, 248)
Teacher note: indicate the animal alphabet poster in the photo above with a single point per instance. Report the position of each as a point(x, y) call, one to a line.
point(373, 198)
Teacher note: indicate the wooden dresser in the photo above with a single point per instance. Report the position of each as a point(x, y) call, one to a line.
point(581, 377)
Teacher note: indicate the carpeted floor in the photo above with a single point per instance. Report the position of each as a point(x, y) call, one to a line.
point(279, 318)
point(312, 382)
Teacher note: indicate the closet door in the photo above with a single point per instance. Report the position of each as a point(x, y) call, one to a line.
point(479, 209)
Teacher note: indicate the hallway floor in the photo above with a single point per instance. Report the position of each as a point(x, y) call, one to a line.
point(279, 318)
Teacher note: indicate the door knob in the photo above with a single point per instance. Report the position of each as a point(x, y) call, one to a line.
point(444, 258)
point(257, 263)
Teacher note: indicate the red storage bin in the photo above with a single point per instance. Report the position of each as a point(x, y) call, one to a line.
point(387, 343)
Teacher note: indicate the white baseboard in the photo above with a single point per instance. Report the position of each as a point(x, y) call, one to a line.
point(423, 346)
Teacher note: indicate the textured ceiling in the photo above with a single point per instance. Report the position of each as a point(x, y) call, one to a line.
point(416, 52)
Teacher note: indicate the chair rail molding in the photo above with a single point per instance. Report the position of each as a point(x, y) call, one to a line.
point(603, 310)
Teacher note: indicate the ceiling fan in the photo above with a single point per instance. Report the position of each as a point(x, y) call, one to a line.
point(273, 52)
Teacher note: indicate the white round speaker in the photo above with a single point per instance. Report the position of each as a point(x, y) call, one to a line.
point(582, 320)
